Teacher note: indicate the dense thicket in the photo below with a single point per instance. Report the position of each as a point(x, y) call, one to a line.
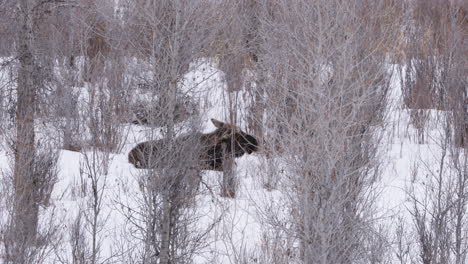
point(312, 80)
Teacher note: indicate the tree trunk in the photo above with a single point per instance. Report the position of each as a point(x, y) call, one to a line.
point(166, 231)
point(259, 108)
point(25, 216)
point(229, 185)
point(170, 100)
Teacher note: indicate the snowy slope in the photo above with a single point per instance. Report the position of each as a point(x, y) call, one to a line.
point(240, 229)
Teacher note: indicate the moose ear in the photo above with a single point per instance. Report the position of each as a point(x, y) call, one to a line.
point(217, 123)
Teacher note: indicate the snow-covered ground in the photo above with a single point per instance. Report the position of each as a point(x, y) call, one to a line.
point(240, 230)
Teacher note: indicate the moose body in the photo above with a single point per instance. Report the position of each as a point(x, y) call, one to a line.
point(202, 151)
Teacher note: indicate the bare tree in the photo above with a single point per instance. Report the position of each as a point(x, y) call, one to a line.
point(94, 168)
point(35, 249)
point(237, 50)
point(25, 218)
point(438, 199)
point(172, 37)
point(434, 79)
point(435, 54)
point(327, 93)
point(7, 97)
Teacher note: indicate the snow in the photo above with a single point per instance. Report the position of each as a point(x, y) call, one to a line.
point(241, 229)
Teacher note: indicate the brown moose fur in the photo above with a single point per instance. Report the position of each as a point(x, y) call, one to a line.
point(196, 150)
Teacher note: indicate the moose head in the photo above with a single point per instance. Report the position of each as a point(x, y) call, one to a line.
point(203, 151)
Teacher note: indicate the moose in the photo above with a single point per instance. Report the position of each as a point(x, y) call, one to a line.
point(203, 151)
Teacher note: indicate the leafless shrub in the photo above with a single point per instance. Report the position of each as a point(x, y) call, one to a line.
point(435, 54)
point(321, 114)
point(144, 112)
point(79, 247)
point(96, 42)
point(170, 36)
point(19, 248)
point(276, 248)
point(270, 170)
point(404, 246)
point(93, 171)
point(377, 247)
point(437, 201)
point(26, 240)
point(102, 120)
point(419, 119)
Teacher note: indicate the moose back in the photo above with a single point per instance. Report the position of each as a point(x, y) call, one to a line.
point(202, 151)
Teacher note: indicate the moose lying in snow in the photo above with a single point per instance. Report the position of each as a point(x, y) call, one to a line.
point(202, 151)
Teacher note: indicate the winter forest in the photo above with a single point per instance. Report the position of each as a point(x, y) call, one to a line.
point(233, 131)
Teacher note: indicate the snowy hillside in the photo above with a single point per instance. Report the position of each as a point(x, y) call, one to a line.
point(237, 227)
